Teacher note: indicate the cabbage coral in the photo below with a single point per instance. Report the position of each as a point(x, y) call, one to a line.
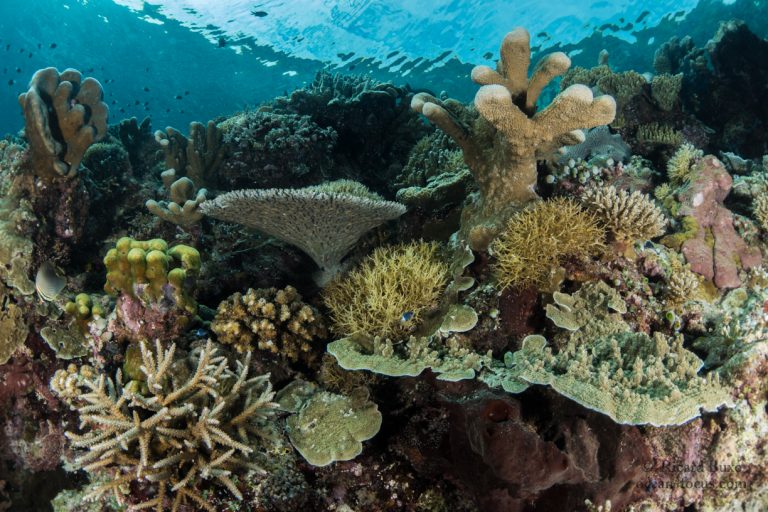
point(537, 240)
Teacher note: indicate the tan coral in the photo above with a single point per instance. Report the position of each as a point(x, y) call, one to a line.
point(627, 216)
point(64, 114)
point(199, 156)
point(502, 146)
point(269, 319)
point(192, 419)
point(183, 207)
point(682, 286)
point(760, 210)
point(680, 164)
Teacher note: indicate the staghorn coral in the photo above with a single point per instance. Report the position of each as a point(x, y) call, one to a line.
point(323, 223)
point(272, 320)
point(196, 419)
point(198, 157)
point(63, 114)
point(680, 164)
point(182, 208)
point(389, 292)
point(628, 217)
point(682, 286)
point(536, 241)
point(655, 133)
point(503, 144)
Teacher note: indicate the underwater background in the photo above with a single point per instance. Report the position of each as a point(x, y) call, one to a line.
point(380, 255)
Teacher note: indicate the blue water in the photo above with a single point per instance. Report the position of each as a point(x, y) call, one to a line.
point(184, 60)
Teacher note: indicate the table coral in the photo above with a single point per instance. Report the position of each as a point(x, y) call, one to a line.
point(272, 320)
point(501, 148)
point(72, 104)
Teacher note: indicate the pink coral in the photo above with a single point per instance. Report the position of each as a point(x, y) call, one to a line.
point(717, 252)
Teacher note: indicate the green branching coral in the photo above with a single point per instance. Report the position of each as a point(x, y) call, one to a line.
point(330, 427)
point(536, 240)
point(628, 217)
point(679, 166)
point(272, 320)
point(655, 133)
point(149, 269)
point(194, 420)
point(389, 292)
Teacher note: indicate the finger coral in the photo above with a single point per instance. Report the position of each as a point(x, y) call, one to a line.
point(322, 221)
point(182, 208)
point(502, 146)
point(197, 157)
point(63, 114)
point(193, 419)
point(628, 217)
point(537, 240)
point(388, 292)
point(269, 319)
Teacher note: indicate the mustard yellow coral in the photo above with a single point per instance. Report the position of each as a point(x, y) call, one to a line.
point(388, 292)
point(627, 216)
point(680, 164)
point(536, 241)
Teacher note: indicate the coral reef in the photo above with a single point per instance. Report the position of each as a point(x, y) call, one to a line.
point(182, 208)
point(272, 320)
point(64, 114)
point(502, 146)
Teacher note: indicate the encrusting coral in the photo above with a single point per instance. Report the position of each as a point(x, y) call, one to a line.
point(388, 293)
point(628, 217)
point(182, 208)
point(503, 144)
point(13, 329)
point(536, 240)
point(64, 114)
point(323, 221)
point(272, 320)
point(191, 420)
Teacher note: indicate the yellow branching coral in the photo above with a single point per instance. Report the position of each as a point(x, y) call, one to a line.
point(627, 216)
point(192, 419)
point(269, 319)
point(680, 164)
point(536, 240)
point(388, 292)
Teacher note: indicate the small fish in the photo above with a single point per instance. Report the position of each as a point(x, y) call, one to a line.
point(259, 14)
point(146, 89)
point(407, 316)
point(178, 96)
point(186, 93)
point(200, 332)
point(10, 82)
point(39, 46)
point(53, 45)
point(222, 42)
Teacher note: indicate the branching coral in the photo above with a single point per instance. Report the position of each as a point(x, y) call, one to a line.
point(322, 222)
point(195, 419)
point(388, 292)
point(63, 115)
point(536, 241)
point(680, 164)
point(273, 320)
point(628, 217)
point(183, 207)
point(197, 157)
point(501, 147)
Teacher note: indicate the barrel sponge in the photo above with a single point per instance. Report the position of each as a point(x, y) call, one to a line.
point(64, 114)
point(149, 270)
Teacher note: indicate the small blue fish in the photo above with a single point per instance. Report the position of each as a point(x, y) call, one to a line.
point(201, 333)
point(406, 316)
